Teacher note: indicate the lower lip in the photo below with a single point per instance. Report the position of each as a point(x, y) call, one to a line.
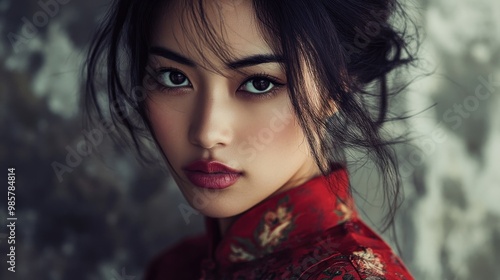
point(212, 180)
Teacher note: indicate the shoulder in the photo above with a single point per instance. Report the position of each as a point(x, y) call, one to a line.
point(360, 254)
point(179, 260)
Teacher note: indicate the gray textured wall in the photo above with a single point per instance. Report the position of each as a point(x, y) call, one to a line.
point(455, 188)
point(103, 219)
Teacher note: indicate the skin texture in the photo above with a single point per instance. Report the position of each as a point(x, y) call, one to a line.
point(214, 116)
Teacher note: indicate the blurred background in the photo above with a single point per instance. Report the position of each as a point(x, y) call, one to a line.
point(84, 217)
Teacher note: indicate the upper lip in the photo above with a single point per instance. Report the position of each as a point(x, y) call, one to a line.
point(209, 166)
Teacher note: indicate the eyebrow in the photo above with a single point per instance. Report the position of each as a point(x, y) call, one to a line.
point(239, 63)
point(166, 53)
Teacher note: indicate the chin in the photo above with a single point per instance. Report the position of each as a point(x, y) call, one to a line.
point(221, 212)
point(215, 203)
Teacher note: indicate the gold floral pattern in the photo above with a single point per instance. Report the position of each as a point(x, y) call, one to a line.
point(275, 223)
point(239, 254)
point(344, 212)
point(274, 228)
point(369, 262)
point(303, 233)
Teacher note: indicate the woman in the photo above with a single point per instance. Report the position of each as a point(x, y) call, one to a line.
point(252, 105)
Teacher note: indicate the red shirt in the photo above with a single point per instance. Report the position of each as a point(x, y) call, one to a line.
point(303, 233)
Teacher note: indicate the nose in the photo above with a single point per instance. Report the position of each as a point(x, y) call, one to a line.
point(211, 122)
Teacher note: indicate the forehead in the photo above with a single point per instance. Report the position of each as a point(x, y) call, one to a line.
point(220, 27)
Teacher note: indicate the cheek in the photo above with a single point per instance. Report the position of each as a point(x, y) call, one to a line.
point(290, 139)
point(168, 126)
point(273, 131)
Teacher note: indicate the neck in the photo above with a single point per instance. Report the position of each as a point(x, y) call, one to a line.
point(225, 223)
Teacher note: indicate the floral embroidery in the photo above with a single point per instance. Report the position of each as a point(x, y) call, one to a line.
point(239, 254)
point(343, 212)
point(303, 233)
point(274, 226)
point(273, 229)
point(369, 263)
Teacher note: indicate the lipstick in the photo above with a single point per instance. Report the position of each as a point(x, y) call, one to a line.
point(211, 174)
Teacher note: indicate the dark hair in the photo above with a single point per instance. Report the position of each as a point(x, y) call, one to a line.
point(349, 48)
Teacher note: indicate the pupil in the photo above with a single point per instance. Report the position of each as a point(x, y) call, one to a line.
point(261, 84)
point(177, 78)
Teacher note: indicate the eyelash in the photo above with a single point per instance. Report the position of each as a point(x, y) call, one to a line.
point(160, 71)
point(269, 94)
point(266, 95)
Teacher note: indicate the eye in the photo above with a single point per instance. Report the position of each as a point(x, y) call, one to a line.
point(173, 79)
point(258, 85)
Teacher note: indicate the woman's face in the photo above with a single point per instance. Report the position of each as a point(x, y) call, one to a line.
point(239, 115)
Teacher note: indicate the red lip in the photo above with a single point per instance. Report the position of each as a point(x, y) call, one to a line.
point(211, 174)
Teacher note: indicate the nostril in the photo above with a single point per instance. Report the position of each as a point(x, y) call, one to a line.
point(208, 136)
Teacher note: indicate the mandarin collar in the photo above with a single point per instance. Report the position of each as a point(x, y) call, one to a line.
point(283, 220)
